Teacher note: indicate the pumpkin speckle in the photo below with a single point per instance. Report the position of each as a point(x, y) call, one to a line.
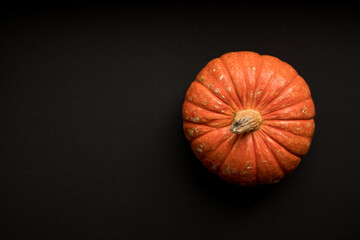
point(304, 110)
point(196, 119)
point(279, 99)
point(190, 132)
point(221, 77)
point(216, 90)
point(227, 170)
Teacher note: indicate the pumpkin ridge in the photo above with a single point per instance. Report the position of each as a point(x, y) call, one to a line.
point(267, 108)
point(214, 129)
point(258, 67)
point(267, 125)
point(204, 95)
point(297, 155)
point(279, 146)
point(267, 147)
point(282, 91)
point(217, 116)
point(192, 130)
point(262, 131)
point(206, 89)
point(268, 120)
point(223, 142)
point(292, 104)
point(232, 82)
point(276, 69)
point(281, 130)
point(209, 122)
point(214, 146)
point(255, 159)
point(270, 115)
point(227, 155)
point(216, 96)
point(193, 139)
point(209, 109)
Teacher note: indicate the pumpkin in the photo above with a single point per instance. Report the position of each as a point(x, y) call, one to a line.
point(249, 118)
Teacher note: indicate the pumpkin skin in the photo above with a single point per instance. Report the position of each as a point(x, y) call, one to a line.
point(256, 86)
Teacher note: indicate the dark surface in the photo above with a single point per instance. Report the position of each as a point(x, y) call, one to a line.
point(91, 141)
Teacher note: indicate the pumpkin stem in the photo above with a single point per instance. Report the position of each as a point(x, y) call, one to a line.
point(246, 121)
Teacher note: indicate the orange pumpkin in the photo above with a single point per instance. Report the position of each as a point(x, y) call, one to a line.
point(249, 118)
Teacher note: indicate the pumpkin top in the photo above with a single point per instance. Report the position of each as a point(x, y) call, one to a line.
point(249, 118)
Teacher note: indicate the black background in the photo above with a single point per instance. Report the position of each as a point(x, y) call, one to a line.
point(91, 132)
